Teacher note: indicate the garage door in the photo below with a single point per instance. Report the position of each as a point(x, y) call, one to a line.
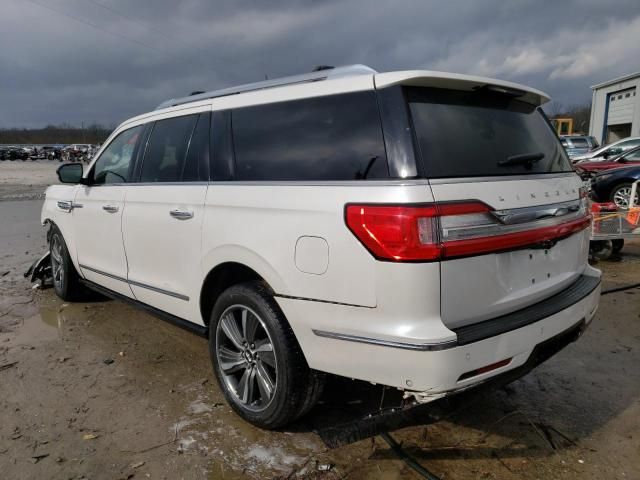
point(621, 107)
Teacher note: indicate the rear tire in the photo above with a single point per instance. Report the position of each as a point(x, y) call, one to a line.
point(257, 360)
point(66, 281)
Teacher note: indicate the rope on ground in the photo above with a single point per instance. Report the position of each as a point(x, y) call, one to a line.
point(407, 459)
point(620, 289)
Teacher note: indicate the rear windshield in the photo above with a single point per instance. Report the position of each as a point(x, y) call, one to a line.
point(482, 133)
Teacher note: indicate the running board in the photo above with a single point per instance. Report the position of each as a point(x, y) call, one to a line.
point(199, 330)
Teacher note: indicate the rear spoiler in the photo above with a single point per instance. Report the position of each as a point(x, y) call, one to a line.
point(455, 81)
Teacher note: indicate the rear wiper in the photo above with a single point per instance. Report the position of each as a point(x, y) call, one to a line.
point(526, 159)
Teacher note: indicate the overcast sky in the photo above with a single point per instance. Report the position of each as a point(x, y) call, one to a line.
point(102, 61)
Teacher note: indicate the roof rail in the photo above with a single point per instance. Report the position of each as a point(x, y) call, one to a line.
point(324, 74)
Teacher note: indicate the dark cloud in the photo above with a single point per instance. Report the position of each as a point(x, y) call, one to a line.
point(117, 58)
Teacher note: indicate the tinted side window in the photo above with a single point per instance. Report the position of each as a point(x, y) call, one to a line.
point(167, 149)
point(326, 138)
point(196, 166)
point(114, 163)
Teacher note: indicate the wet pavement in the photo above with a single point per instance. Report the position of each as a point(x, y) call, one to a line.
point(101, 390)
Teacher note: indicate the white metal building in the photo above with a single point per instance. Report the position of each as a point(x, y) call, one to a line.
point(615, 109)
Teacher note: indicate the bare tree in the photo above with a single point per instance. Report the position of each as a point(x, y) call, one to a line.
point(556, 109)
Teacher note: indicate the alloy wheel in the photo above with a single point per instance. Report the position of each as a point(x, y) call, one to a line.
point(246, 357)
point(622, 196)
point(56, 262)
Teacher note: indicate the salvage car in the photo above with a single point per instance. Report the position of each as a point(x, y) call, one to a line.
point(577, 145)
point(415, 229)
point(588, 169)
point(615, 186)
point(608, 151)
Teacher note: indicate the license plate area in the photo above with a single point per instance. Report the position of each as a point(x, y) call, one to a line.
point(479, 288)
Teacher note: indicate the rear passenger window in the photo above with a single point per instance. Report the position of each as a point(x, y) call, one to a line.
point(326, 138)
point(167, 149)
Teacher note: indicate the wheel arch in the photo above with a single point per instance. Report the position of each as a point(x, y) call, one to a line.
point(230, 265)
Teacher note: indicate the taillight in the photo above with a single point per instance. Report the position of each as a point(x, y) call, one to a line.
point(450, 230)
point(396, 232)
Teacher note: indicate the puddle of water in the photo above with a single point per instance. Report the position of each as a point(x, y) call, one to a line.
point(35, 330)
point(42, 327)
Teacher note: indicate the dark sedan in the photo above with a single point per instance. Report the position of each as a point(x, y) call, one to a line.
point(615, 186)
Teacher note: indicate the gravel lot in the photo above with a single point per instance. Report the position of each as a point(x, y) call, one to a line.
point(26, 180)
point(101, 390)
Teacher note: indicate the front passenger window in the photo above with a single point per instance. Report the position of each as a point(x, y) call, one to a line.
point(113, 165)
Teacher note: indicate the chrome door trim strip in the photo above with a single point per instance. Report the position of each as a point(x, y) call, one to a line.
point(100, 272)
point(423, 347)
point(159, 290)
point(136, 284)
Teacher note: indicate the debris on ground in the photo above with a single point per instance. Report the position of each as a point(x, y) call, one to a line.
point(37, 458)
point(7, 366)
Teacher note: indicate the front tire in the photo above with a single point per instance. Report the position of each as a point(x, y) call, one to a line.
point(66, 281)
point(257, 360)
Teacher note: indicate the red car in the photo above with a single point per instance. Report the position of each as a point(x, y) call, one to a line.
point(627, 159)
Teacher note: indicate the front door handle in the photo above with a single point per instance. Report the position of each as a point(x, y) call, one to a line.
point(181, 214)
point(67, 206)
point(110, 208)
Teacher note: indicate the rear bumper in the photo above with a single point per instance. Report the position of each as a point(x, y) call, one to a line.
point(432, 370)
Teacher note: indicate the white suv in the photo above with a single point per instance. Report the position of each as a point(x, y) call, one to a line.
point(415, 229)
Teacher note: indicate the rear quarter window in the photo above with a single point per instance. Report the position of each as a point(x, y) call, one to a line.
point(336, 137)
point(482, 133)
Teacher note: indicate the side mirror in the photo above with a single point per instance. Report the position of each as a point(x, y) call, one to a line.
point(606, 154)
point(70, 173)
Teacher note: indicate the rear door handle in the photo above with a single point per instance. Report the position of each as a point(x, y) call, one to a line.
point(181, 214)
point(110, 208)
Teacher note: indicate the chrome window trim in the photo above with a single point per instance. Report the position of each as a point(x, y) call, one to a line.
point(281, 183)
point(136, 284)
point(149, 184)
point(348, 183)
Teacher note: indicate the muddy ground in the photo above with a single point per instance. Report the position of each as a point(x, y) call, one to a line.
point(103, 391)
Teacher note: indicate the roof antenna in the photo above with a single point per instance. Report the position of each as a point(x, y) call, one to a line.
point(197, 92)
point(319, 68)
